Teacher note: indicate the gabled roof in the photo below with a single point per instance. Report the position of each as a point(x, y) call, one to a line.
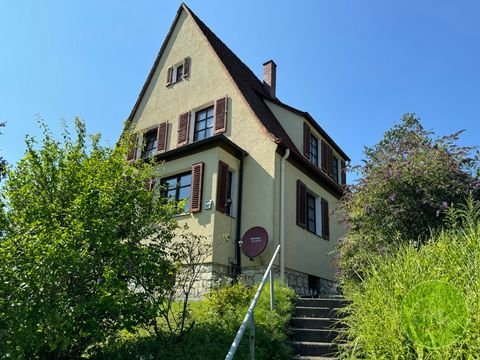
point(249, 85)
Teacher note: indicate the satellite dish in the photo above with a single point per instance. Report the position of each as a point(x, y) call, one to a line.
point(254, 241)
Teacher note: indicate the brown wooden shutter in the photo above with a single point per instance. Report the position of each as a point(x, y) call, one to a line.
point(169, 75)
point(221, 115)
point(162, 137)
point(330, 162)
point(324, 150)
point(325, 219)
point(306, 140)
point(222, 186)
point(196, 187)
point(183, 128)
point(301, 204)
point(343, 166)
point(186, 67)
point(132, 152)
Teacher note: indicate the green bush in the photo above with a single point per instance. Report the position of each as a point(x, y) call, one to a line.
point(380, 317)
point(217, 319)
point(72, 249)
point(407, 182)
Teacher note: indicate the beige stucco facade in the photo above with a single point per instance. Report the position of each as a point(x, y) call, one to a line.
point(258, 168)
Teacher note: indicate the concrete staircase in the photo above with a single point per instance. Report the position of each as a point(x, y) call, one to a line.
point(314, 328)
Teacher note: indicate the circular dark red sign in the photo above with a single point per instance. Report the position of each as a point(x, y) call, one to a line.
point(254, 241)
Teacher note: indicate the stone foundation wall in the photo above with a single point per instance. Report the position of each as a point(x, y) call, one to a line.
point(210, 276)
point(215, 275)
point(294, 279)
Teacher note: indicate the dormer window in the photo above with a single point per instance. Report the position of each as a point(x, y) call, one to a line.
point(313, 149)
point(334, 173)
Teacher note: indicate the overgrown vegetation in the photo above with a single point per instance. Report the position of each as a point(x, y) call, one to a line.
point(74, 264)
point(407, 182)
point(377, 328)
point(94, 265)
point(217, 319)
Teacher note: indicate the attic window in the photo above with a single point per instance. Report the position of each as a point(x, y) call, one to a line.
point(178, 72)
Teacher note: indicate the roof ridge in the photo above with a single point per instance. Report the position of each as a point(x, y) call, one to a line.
point(210, 34)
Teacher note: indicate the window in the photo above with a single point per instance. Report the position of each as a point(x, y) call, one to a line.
point(229, 193)
point(177, 188)
point(203, 124)
point(150, 143)
point(334, 173)
point(226, 185)
point(178, 73)
point(312, 212)
point(314, 150)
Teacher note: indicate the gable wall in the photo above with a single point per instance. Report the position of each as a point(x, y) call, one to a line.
point(209, 81)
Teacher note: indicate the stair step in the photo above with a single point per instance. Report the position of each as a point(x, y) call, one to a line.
point(307, 348)
point(322, 302)
point(320, 335)
point(316, 311)
point(315, 323)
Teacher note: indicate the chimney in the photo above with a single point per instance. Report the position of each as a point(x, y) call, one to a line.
point(270, 77)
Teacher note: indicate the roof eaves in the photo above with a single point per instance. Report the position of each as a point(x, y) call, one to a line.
point(312, 122)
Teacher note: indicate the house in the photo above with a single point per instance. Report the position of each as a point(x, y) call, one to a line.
point(242, 158)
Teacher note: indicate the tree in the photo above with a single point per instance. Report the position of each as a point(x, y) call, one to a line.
point(407, 182)
point(3, 163)
point(82, 236)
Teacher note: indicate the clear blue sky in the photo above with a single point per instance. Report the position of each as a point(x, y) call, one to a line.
point(356, 66)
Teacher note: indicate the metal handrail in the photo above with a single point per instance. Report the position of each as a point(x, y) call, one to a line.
point(249, 316)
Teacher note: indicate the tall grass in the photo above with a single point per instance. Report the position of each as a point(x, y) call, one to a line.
point(376, 326)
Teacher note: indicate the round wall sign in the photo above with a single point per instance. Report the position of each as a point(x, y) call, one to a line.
point(254, 241)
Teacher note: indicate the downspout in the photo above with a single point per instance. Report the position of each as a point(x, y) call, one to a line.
point(282, 216)
point(238, 253)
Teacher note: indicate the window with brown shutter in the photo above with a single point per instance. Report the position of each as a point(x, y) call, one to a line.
point(196, 190)
point(186, 67)
point(221, 115)
point(325, 219)
point(306, 140)
point(169, 75)
point(162, 137)
point(222, 187)
point(324, 156)
point(330, 162)
point(343, 166)
point(301, 204)
point(183, 128)
point(132, 152)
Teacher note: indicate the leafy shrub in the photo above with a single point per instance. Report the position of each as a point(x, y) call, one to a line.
point(73, 256)
point(217, 319)
point(407, 182)
point(376, 314)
